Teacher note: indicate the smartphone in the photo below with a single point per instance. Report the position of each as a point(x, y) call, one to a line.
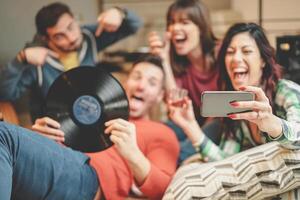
point(217, 103)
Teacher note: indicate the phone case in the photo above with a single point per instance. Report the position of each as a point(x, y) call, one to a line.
point(217, 103)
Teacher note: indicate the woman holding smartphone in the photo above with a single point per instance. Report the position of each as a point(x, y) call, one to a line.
point(247, 63)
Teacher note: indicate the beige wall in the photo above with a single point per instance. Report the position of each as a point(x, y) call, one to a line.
point(279, 17)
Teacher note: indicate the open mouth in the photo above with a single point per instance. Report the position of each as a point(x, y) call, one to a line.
point(240, 73)
point(137, 98)
point(136, 102)
point(179, 39)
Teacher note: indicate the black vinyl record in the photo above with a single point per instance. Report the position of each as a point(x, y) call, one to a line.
point(82, 100)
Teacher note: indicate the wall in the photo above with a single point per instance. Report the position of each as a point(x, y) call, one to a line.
point(279, 17)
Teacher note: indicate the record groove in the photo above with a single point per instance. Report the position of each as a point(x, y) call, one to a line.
point(81, 100)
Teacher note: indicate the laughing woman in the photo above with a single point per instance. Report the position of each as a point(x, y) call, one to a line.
point(188, 52)
point(247, 62)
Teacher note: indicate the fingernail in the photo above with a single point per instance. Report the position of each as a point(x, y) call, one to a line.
point(242, 88)
point(231, 116)
point(234, 103)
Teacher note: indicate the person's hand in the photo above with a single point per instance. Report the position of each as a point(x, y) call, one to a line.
point(123, 135)
point(49, 128)
point(37, 55)
point(261, 113)
point(159, 46)
point(109, 21)
point(183, 114)
point(184, 117)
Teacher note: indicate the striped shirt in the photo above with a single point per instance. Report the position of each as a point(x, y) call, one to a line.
point(287, 107)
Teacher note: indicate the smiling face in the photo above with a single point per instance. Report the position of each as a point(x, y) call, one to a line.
point(66, 35)
point(144, 88)
point(185, 34)
point(243, 61)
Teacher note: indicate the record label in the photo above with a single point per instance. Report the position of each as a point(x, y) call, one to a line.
point(86, 109)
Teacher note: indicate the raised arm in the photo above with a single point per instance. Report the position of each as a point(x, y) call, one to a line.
point(20, 74)
point(161, 47)
point(113, 25)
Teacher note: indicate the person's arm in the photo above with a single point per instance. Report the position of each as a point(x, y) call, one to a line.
point(162, 153)
point(16, 77)
point(184, 117)
point(152, 172)
point(111, 30)
point(161, 47)
point(288, 99)
point(281, 125)
point(123, 135)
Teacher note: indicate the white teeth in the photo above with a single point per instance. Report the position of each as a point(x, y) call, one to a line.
point(179, 37)
point(240, 75)
point(239, 71)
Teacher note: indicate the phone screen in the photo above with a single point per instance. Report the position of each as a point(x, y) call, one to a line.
point(217, 103)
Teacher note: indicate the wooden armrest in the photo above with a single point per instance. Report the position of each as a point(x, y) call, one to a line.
point(8, 113)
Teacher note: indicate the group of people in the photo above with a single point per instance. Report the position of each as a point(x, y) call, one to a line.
point(35, 165)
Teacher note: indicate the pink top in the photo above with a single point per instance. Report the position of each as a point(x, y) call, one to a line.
point(159, 145)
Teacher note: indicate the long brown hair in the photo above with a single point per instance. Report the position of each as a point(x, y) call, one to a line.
point(271, 71)
point(199, 15)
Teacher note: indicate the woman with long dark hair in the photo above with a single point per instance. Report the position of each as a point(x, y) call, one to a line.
point(247, 62)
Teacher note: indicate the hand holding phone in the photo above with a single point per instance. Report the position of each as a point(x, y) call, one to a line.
point(217, 103)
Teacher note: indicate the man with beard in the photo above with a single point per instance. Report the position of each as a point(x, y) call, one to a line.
point(59, 45)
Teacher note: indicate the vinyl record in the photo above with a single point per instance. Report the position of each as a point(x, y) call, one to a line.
point(81, 100)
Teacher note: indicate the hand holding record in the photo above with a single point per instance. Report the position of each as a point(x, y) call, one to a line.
point(82, 100)
point(123, 135)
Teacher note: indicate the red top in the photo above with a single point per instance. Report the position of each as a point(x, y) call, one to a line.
point(196, 82)
point(159, 145)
